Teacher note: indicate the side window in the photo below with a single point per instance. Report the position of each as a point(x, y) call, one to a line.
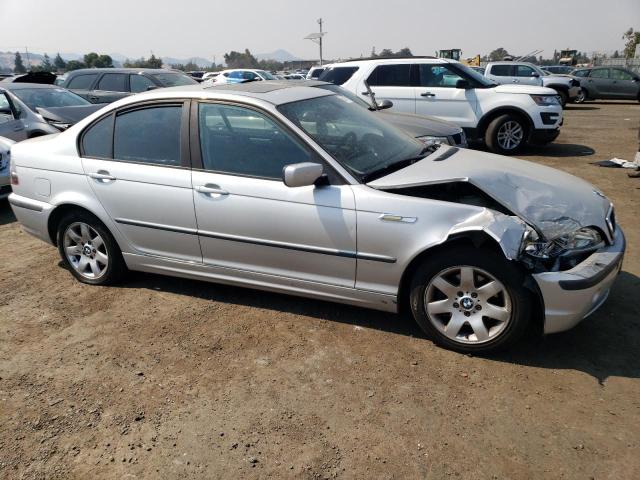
point(581, 73)
point(235, 74)
point(97, 139)
point(618, 74)
point(82, 82)
point(600, 73)
point(337, 75)
point(524, 71)
point(502, 70)
point(391, 76)
point(149, 135)
point(241, 141)
point(140, 83)
point(113, 82)
point(438, 76)
point(6, 114)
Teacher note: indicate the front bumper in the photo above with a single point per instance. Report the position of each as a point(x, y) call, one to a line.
point(541, 136)
point(572, 295)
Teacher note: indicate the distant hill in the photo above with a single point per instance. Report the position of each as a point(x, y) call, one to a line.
point(7, 59)
point(279, 55)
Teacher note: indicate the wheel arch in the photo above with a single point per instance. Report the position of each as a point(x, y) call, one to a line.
point(475, 239)
point(63, 209)
point(491, 115)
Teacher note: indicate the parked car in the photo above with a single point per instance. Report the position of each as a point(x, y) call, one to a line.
point(558, 69)
point(523, 73)
point(241, 75)
point(610, 83)
point(278, 180)
point(30, 110)
point(293, 76)
point(429, 130)
point(480, 70)
point(314, 73)
point(505, 117)
point(106, 85)
point(197, 75)
point(210, 75)
point(5, 148)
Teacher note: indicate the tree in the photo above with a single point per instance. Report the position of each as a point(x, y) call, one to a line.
point(152, 62)
point(616, 54)
point(404, 52)
point(632, 39)
point(18, 66)
point(386, 52)
point(191, 66)
point(46, 65)
point(498, 54)
point(75, 65)
point(93, 60)
point(235, 59)
point(59, 63)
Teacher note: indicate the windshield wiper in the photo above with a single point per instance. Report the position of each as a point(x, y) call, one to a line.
point(399, 165)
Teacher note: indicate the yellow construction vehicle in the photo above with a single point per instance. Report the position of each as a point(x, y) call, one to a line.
point(456, 54)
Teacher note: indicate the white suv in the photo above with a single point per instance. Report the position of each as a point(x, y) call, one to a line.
point(504, 116)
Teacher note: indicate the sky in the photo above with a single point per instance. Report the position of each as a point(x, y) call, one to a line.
point(208, 28)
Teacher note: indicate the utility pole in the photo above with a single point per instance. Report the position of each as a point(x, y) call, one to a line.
point(317, 38)
point(28, 59)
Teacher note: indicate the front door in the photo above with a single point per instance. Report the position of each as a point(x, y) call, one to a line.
point(600, 82)
point(249, 220)
point(439, 96)
point(10, 124)
point(143, 179)
point(527, 75)
point(110, 87)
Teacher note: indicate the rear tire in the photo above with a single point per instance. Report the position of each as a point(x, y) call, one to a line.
point(483, 311)
point(506, 134)
point(88, 249)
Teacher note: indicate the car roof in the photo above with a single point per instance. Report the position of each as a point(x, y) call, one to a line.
point(387, 60)
point(122, 70)
point(20, 86)
point(276, 92)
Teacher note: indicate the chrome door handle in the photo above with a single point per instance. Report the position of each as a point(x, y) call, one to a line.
point(211, 189)
point(427, 94)
point(102, 175)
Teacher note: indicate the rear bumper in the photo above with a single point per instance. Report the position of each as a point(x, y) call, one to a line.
point(572, 295)
point(33, 215)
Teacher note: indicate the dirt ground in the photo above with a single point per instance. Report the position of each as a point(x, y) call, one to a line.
point(167, 378)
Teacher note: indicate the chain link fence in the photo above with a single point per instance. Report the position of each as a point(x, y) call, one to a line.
point(629, 63)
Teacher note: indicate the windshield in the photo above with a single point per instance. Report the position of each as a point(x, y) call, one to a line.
point(476, 76)
point(362, 143)
point(265, 75)
point(173, 79)
point(48, 97)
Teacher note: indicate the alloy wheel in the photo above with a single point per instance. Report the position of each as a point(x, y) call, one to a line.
point(85, 250)
point(468, 304)
point(510, 135)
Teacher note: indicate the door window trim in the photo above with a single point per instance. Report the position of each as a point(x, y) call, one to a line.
point(197, 164)
point(185, 162)
point(126, 83)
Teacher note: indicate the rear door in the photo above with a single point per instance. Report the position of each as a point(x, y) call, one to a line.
point(599, 83)
point(392, 82)
point(110, 87)
point(501, 73)
point(139, 83)
point(137, 163)
point(82, 84)
point(438, 95)
point(11, 126)
point(624, 84)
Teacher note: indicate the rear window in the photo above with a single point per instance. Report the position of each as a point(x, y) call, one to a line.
point(337, 75)
point(82, 82)
point(580, 73)
point(391, 76)
point(502, 70)
point(316, 72)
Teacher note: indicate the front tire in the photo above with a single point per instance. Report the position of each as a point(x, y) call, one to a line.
point(564, 98)
point(89, 250)
point(470, 300)
point(506, 134)
point(582, 96)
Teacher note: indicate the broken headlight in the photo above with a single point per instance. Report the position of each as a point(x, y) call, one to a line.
point(433, 140)
point(579, 240)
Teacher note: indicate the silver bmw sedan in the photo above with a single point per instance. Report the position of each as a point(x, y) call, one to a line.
point(299, 190)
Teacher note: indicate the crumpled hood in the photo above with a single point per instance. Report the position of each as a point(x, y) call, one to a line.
point(69, 115)
point(525, 89)
point(419, 125)
point(552, 201)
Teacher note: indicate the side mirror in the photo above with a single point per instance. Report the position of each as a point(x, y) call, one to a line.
point(384, 104)
point(535, 74)
point(151, 87)
point(301, 174)
point(463, 84)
